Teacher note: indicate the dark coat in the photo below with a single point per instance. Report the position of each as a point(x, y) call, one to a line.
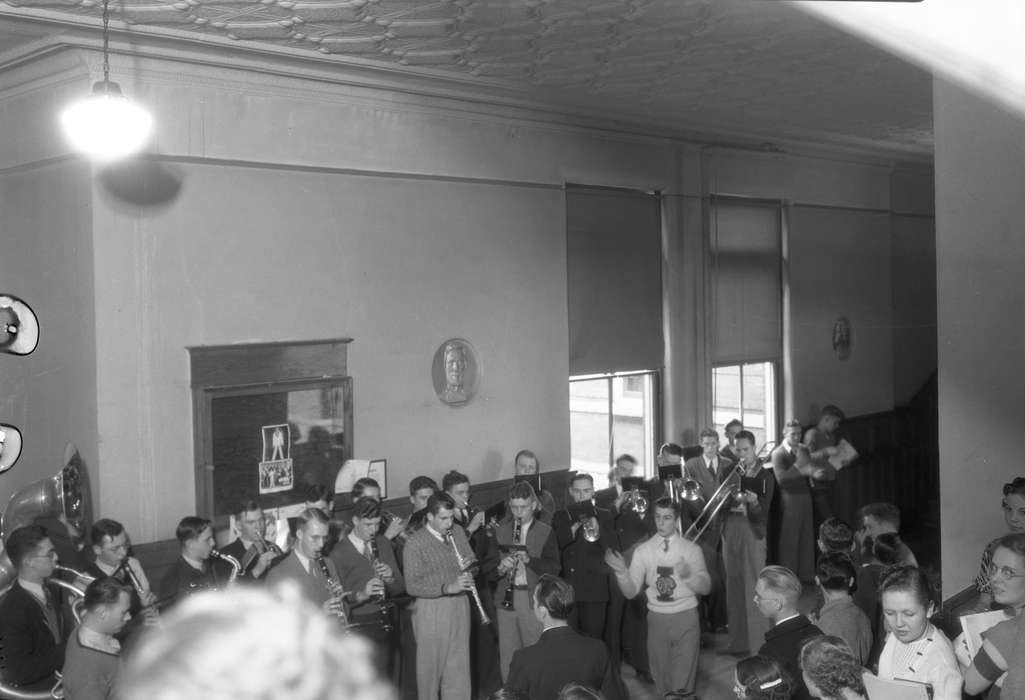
point(30, 653)
point(183, 580)
point(542, 552)
point(783, 642)
point(583, 562)
point(560, 656)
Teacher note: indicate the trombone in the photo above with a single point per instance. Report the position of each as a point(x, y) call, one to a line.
point(691, 491)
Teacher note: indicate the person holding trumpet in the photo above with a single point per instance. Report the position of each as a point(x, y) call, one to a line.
point(437, 562)
point(254, 553)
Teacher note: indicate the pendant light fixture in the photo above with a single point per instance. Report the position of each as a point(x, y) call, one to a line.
point(106, 125)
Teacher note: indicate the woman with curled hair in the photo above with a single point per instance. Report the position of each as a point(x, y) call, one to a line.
point(1013, 507)
point(579, 691)
point(761, 678)
point(915, 650)
point(830, 670)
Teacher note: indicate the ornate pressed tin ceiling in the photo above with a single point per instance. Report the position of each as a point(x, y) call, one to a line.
point(756, 67)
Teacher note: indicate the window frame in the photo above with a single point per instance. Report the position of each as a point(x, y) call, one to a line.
point(774, 431)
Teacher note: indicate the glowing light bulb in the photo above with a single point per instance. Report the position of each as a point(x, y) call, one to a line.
point(106, 125)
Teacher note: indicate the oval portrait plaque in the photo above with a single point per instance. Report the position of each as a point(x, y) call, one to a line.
point(455, 372)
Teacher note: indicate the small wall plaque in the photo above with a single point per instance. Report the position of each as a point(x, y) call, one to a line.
point(455, 372)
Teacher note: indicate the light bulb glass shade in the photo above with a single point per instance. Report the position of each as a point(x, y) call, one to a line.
point(106, 125)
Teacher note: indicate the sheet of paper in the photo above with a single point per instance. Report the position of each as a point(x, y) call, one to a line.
point(845, 455)
point(974, 625)
point(880, 689)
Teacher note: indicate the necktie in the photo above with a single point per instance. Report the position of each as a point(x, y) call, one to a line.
point(665, 544)
point(711, 467)
point(367, 552)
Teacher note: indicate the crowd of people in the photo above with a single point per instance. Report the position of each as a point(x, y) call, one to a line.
point(528, 599)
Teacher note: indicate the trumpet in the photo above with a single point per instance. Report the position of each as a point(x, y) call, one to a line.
point(507, 601)
point(465, 564)
point(635, 502)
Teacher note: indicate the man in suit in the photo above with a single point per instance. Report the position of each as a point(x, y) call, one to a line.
point(792, 468)
point(560, 655)
point(110, 547)
point(250, 549)
point(32, 625)
point(608, 497)
point(192, 571)
point(776, 595)
point(583, 561)
point(305, 565)
point(517, 564)
point(709, 469)
point(360, 558)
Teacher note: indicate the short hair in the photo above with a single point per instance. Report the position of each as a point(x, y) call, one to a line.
point(190, 527)
point(828, 662)
point(521, 489)
point(453, 478)
point(836, 572)
point(625, 457)
point(319, 492)
point(908, 579)
point(527, 453)
point(247, 507)
point(671, 448)
point(708, 433)
point(783, 581)
point(555, 595)
point(836, 535)
point(362, 484)
point(578, 691)
point(834, 411)
point(22, 541)
point(1014, 543)
point(747, 435)
point(309, 515)
point(762, 678)
point(1016, 486)
point(102, 528)
point(211, 646)
point(883, 512)
point(440, 501)
point(366, 507)
point(735, 423)
point(792, 423)
point(577, 476)
point(509, 693)
point(103, 591)
point(884, 548)
point(419, 483)
point(667, 503)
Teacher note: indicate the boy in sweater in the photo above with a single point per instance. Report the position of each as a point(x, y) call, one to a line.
point(674, 570)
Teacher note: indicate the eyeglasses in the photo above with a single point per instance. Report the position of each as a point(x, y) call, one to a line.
point(1003, 573)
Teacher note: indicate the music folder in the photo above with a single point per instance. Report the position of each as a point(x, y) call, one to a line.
point(752, 484)
point(579, 511)
point(631, 483)
point(670, 471)
point(495, 513)
point(532, 479)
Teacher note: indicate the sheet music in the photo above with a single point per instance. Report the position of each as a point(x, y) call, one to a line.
point(883, 689)
point(974, 625)
point(844, 456)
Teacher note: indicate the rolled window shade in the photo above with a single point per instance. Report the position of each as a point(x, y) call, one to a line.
point(747, 295)
point(614, 279)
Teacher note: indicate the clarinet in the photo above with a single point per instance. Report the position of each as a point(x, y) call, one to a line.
point(464, 565)
point(334, 588)
point(507, 602)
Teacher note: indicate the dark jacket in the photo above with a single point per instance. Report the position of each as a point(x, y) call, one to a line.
point(560, 656)
point(29, 651)
point(783, 642)
point(183, 580)
point(542, 550)
point(583, 562)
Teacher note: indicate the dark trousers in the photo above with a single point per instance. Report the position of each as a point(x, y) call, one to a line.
point(588, 618)
point(484, 663)
point(713, 605)
point(407, 654)
point(379, 630)
point(635, 633)
point(822, 502)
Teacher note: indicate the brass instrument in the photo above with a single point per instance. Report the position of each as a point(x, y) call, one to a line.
point(507, 602)
point(231, 561)
point(77, 591)
point(727, 490)
point(259, 548)
point(149, 612)
point(465, 565)
point(335, 590)
point(636, 502)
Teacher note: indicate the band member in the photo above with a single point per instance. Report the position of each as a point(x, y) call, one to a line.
point(252, 551)
point(561, 655)
point(192, 571)
point(434, 559)
point(730, 431)
point(32, 625)
point(821, 441)
point(320, 497)
point(526, 462)
point(672, 571)
point(792, 466)
point(522, 549)
point(483, 642)
point(92, 659)
point(110, 546)
point(582, 544)
point(367, 487)
point(709, 469)
point(365, 562)
point(626, 464)
point(313, 572)
point(744, 546)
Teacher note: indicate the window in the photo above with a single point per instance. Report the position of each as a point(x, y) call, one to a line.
point(746, 392)
point(611, 414)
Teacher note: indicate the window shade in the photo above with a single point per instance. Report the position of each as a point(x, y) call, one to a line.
point(746, 286)
point(614, 263)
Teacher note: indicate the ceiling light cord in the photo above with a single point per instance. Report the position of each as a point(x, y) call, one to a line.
point(106, 41)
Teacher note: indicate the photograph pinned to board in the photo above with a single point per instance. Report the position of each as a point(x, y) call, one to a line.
point(355, 469)
point(276, 472)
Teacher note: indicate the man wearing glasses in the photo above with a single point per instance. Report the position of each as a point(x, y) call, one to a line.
point(32, 628)
point(110, 546)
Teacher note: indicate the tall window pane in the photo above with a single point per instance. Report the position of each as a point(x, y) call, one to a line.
point(589, 427)
point(746, 392)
